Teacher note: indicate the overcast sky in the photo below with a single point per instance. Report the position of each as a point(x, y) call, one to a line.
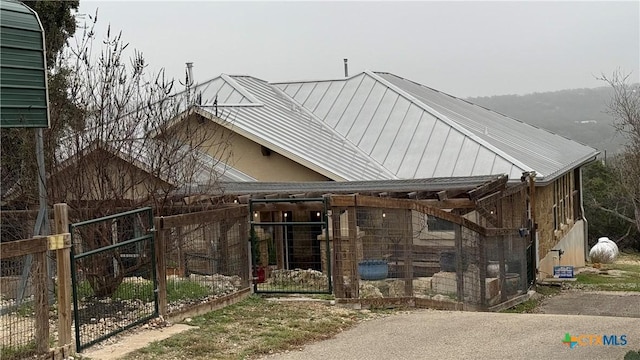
point(462, 48)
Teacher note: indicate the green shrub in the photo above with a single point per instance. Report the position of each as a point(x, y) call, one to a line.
point(632, 355)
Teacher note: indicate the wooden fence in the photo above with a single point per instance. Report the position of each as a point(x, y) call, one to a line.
point(38, 247)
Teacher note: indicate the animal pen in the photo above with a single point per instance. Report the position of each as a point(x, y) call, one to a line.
point(447, 243)
point(129, 267)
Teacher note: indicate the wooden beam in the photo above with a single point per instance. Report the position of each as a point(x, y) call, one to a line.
point(364, 201)
point(442, 195)
point(342, 200)
point(24, 247)
point(488, 188)
point(41, 306)
point(63, 264)
point(449, 203)
point(204, 216)
point(272, 207)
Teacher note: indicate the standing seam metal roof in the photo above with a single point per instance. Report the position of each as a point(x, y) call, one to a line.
point(416, 131)
point(395, 130)
point(284, 126)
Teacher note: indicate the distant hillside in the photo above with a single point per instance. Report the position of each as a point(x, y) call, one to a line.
point(578, 114)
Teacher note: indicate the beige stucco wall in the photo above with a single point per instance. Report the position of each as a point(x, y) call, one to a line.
point(246, 155)
point(573, 246)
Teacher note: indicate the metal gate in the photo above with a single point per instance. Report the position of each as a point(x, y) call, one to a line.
point(113, 275)
point(290, 246)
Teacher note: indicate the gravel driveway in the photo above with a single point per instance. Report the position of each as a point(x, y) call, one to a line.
point(431, 334)
point(603, 303)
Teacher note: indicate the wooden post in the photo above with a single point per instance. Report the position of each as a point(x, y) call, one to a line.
point(161, 269)
point(278, 238)
point(408, 252)
point(39, 268)
point(482, 267)
point(459, 262)
point(63, 262)
point(501, 254)
point(338, 256)
point(245, 234)
point(354, 241)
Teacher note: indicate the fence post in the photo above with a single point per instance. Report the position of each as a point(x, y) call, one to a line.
point(63, 263)
point(457, 230)
point(338, 255)
point(161, 269)
point(354, 241)
point(41, 300)
point(407, 237)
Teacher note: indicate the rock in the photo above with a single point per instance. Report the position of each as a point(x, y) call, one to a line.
point(368, 291)
point(307, 277)
point(396, 287)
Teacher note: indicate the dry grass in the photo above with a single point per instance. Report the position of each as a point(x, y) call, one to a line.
point(622, 275)
point(254, 327)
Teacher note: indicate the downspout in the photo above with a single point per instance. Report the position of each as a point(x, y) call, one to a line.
point(584, 219)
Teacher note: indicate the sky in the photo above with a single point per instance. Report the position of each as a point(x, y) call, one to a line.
point(465, 49)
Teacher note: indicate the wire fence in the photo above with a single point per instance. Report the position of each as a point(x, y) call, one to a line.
point(17, 316)
point(205, 256)
point(26, 287)
point(403, 252)
point(113, 270)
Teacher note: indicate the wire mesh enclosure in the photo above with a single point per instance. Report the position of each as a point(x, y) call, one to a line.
point(113, 271)
point(289, 246)
point(17, 301)
point(389, 248)
point(205, 256)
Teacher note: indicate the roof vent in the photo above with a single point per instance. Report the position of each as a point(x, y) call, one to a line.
point(346, 68)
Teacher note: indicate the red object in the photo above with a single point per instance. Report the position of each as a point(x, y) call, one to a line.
point(261, 275)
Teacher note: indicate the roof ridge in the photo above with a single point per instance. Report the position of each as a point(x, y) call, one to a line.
point(239, 88)
point(316, 80)
point(446, 120)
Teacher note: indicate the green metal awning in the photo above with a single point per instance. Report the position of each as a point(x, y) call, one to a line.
point(23, 72)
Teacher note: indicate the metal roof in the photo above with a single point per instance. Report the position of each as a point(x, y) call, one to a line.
point(538, 149)
point(147, 154)
point(417, 132)
point(23, 72)
point(272, 119)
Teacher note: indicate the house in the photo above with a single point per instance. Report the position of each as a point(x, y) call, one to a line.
point(379, 126)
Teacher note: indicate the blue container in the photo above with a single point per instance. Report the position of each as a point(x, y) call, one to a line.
point(373, 269)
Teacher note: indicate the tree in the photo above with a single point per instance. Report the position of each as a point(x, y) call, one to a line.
point(121, 153)
point(58, 22)
point(606, 207)
point(18, 145)
point(624, 107)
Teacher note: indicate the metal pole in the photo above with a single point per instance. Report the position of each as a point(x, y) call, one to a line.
point(42, 221)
